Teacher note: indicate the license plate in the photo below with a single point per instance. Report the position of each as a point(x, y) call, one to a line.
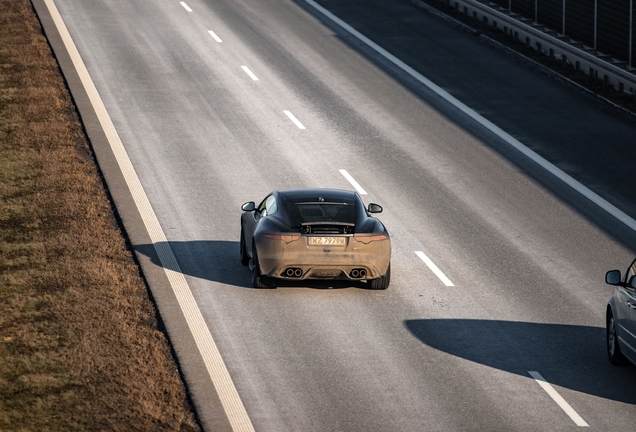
point(328, 241)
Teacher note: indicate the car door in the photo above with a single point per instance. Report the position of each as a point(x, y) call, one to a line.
point(626, 315)
point(252, 220)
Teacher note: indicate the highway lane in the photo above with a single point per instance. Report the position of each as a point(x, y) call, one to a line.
point(525, 255)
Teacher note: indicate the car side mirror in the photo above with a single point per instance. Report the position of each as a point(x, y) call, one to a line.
point(248, 206)
point(374, 208)
point(631, 283)
point(613, 277)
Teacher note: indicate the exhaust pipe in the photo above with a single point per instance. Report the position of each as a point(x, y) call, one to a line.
point(358, 273)
point(293, 272)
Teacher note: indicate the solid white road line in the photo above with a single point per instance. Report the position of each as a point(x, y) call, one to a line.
point(558, 399)
point(250, 73)
point(434, 268)
point(186, 7)
point(294, 119)
point(509, 139)
point(353, 182)
point(216, 38)
point(220, 377)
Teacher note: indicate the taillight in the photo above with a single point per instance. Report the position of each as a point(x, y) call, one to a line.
point(287, 238)
point(368, 238)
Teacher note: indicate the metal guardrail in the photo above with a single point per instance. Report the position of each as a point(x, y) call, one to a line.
point(612, 72)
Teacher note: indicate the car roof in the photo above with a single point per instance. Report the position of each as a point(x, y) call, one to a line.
point(311, 194)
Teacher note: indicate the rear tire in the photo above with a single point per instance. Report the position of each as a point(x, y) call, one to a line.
point(613, 351)
point(245, 258)
point(382, 282)
point(257, 279)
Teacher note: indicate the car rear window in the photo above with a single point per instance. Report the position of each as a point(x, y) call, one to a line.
point(323, 212)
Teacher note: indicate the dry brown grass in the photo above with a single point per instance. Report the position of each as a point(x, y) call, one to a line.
point(79, 343)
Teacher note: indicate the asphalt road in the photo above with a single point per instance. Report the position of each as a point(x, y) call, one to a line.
point(525, 255)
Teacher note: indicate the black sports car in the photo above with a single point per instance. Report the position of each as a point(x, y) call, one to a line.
point(302, 234)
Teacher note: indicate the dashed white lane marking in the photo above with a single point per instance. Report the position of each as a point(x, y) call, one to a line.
point(558, 399)
point(219, 375)
point(434, 268)
point(216, 38)
point(186, 7)
point(294, 119)
point(353, 182)
point(250, 73)
point(506, 137)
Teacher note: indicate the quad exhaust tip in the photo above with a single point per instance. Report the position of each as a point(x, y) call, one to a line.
point(358, 273)
point(293, 272)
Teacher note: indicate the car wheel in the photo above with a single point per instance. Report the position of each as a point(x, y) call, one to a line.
point(245, 258)
point(257, 279)
point(613, 351)
point(382, 282)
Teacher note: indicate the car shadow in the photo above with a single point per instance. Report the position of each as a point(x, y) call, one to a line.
point(569, 356)
point(219, 261)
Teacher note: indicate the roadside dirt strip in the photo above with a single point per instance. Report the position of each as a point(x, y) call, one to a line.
point(196, 356)
point(80, 343)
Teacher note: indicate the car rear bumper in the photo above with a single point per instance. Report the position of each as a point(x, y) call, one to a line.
point(356, 261)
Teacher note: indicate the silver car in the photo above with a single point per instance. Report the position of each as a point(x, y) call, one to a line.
point(621, 316)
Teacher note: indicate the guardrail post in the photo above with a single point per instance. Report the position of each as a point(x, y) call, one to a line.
point(563, 20)
point(595, 20)
point(631, 29)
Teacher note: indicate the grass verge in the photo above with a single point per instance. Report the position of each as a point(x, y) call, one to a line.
point(79, 342)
